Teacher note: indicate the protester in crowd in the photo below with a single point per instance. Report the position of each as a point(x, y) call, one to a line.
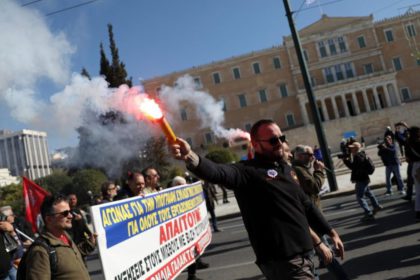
point(413, 152)
point(277, 214)
point(109, 192)
point(311, 182)
point(401, 135)
point(152, 180)
point(79, 231)
point(20, 224)
point(359, 163)
point(134, 186)
point(389, 132)
point(198, 264)
point(57, 215)
point(210, 196)
point(11, 249)
point(388, 154)
point(224, 193)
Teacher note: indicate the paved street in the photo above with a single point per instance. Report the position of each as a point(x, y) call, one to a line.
point(387, 248)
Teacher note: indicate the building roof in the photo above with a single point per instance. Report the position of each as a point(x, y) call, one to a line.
point(326, 24)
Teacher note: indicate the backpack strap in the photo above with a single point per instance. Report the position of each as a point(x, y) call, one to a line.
point(52, 253)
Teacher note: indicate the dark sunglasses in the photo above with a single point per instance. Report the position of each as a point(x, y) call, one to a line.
point(275, 140)
point(64, 213)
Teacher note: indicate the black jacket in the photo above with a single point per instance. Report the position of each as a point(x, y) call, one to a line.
point(5, 258)
point(276, 212)
point(358, 167)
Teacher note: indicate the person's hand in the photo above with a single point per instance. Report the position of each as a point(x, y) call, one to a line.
point(180, 149)
point(338, 244)
point(318, 165)
point(93, 238)
point(325, 253)
point(6, 227)
point(77, 217)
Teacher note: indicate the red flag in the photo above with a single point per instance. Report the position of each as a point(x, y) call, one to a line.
point(34, 196)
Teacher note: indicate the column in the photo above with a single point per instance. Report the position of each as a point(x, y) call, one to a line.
point(366, 100)
point(355, 103)
point(305, 117)
point(346, 109)
point(387, 98)
point(375, 95)
point(324, 110)
point(397, 93)
point(334, 104)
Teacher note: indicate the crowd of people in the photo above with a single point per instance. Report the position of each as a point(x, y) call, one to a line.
point(278, 193)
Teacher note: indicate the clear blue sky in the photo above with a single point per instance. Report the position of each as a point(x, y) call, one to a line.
point(155, 37)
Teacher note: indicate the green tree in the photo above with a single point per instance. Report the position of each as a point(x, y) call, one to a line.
point(114, 72)
point(156, 155)
point(58, 181)
point(221, 155)
point(83, 181)
point(12, 195)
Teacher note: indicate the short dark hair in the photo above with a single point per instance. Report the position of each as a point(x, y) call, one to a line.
point(257, 125)
point(144, 171)
point(49, 202)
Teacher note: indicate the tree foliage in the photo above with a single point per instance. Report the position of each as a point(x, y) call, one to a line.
point(56, 182)
point(83, 181)
point(221, 155)
point(155, 155)
point(114, 72)
point(12, 195)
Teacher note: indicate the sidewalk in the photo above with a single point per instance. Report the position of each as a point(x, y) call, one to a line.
point(345, 187)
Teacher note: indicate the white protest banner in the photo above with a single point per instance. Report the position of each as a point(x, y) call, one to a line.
point(153, 237)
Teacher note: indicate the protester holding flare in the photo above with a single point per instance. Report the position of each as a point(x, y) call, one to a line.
point(277, 214)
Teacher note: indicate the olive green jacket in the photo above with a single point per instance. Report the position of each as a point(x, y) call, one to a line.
point(311, 183)
point(70, 265)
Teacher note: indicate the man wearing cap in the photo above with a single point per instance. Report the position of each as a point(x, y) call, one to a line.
point(276, 212)
point(357, 161)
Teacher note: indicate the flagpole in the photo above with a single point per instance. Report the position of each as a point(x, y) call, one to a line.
point(24, 235)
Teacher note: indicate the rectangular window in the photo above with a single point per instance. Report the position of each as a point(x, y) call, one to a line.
point(209, 138)
point(256, 68)
point(313, 81)
point(197, 83)
point(290, 119)
point(236, 73)
point(405, 94)
point(276, 63)
point(184, 116)
point(283, 90)
point(342, 44)
point(329, 75)
point(389, 36)
point(263, 95)
point(368, 68)
point(216, 78)
point(248, 127)
point(158, 90)
point(242, 100)
point(331, 46)
point(322, 49)
point(397, 63)
point(338, 72)
point(349, 70)
point(411, 30)
point(361, 42)
point(418, 61)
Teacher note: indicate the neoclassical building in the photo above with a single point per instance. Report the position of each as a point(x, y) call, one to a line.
point(365, 76)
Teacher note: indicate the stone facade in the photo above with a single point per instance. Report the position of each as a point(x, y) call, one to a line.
point(364, 76)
